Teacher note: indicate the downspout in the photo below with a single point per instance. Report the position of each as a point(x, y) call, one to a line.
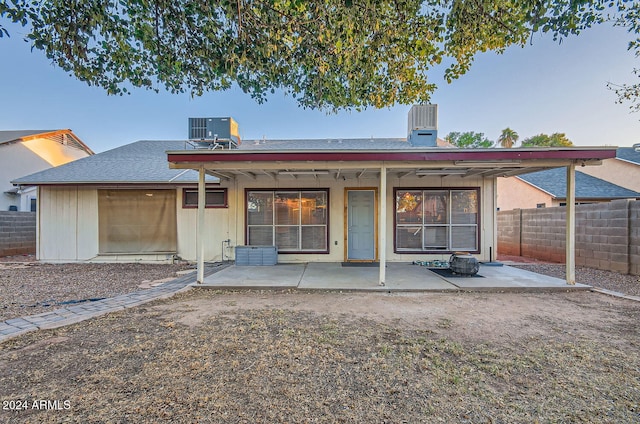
point(200, 226)
point(570, 254)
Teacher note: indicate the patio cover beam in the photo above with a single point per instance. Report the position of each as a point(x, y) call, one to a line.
point(200, 228)
point(382, 226)
point(570, 245)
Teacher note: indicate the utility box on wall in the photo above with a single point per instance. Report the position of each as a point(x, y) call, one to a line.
point(256, 255)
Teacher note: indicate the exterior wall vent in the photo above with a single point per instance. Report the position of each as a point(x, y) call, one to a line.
point(214, 132)
point(423, 125)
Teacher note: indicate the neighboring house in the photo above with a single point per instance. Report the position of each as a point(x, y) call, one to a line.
point(623, 170)
point(548, 188)
point(24, 152)
point(337, 200)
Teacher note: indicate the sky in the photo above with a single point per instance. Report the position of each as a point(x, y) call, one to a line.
point(545, 87)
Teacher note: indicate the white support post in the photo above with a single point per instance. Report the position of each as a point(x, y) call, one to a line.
point(200, 226)
point(382, 226)
point(570, 253)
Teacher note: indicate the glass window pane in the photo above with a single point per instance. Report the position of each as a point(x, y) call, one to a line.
point(409, 207)
point(409, 238)
point(287, 208)
point(287, 237)
point(464, 238)
point(260, 208)
point(314, 207)
point(190, 198)
point(435, 238)
point(260, 236)
point(214, 198)
point(314, 238)
point(464, 207)
point(436, 207)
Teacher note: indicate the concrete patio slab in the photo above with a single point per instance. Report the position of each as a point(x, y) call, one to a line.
point(506, 277)
point(277, 276)
point(399, 276)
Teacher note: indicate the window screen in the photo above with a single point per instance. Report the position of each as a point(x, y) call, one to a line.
point(214, 198)
point(436, 220)
point(136, 221)
point(292, 220)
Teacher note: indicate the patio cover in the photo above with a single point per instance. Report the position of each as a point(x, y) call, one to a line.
point(337, 160)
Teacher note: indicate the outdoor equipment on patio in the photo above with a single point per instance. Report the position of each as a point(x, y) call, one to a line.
point(464, 263)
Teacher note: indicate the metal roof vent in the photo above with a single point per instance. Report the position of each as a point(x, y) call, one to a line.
point(423, 125)
point(211, 133)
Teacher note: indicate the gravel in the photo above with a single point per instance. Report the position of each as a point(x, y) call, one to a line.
point(609, 280)
point(28, 287)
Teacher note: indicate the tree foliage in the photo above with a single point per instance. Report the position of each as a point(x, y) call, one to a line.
point(544, 140)
point(469, 140)
point(508, 138)
point(333, 54)
point(630, 92)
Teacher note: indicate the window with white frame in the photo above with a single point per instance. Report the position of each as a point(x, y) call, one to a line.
point(436, 220)
point(292, 220)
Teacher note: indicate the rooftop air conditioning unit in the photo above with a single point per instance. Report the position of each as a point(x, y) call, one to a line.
point(213, 132)
point(423, 125)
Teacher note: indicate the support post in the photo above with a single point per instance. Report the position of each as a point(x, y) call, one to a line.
point(570, 254)
point(200, 226)
point(382, 225)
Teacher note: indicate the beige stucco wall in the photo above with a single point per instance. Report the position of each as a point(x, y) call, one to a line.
point(26, 157)
point(513, 193)
point(616, 171)
point(68, 220)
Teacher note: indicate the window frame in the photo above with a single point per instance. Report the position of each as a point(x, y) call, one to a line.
point(326, 191)
point(448, 225)
point(185, 205)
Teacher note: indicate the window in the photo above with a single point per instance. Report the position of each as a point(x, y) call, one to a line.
point(214, 198)
point(137, 221)
point(292, 220)
point(436, 220)
point(541, 205)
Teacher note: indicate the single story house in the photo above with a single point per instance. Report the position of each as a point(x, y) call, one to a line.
point(23, 152)
point(623, 170)
point(337, 200)
point(548, 188)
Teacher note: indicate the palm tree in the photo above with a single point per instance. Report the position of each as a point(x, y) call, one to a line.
point(508, 138)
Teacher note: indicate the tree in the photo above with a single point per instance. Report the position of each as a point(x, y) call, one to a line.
point(544, 140)
point(630, 92)
point(469, 140)
point(333, 54)
point(508, 138)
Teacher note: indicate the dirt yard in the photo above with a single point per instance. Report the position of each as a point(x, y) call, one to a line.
point(265, 357)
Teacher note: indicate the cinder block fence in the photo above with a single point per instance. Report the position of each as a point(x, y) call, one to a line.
point(17, 233)
point(607, 235)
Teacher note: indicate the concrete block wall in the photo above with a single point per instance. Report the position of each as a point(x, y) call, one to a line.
point(17, 233)
point(509, 224)
point(607, 235)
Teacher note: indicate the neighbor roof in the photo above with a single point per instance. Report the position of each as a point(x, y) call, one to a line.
point(15, 135)
point(629, 154)
point(554, 182)
point(140, 162)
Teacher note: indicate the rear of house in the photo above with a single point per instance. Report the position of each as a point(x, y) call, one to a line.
point(338, 200)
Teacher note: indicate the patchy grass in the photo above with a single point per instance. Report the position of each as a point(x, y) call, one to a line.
point(281, 365)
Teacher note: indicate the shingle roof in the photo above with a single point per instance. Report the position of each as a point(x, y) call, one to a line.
point(629, 154)
point(139, 162)
point(554, 181)
point(14, 135)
